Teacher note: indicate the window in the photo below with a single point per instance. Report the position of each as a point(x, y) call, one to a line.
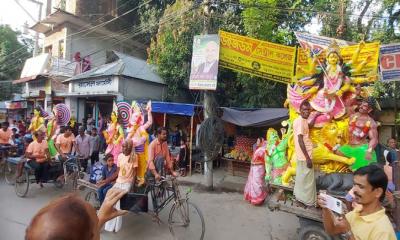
point(48, 49)
point(61, 48)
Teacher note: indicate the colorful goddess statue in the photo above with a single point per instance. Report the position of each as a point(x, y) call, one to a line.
point(275, 156)
point(328, 84)
point(61, 116)
point(37, 122)
point(114, 134)
point(140, 139)
point(343, 138)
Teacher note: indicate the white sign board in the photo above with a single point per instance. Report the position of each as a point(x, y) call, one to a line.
point(390, 62)
point(205, 59)
point(95, 85)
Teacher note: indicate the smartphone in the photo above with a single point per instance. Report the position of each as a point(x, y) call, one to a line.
point(134, 202)
point(333, 203)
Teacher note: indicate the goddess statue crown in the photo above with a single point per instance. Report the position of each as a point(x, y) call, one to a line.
point(333, 48)
point(135, 106)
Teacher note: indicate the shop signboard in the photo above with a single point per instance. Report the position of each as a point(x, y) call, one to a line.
point(16, 105)
point(95, 85)
point(274, 62)
point(205, 58)
point(390, 62)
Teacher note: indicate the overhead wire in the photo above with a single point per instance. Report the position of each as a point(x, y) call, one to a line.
point(90, 28)
point(141, 29)
point(299, 10)
point(171, 18)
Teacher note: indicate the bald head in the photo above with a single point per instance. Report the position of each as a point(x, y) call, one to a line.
point(127, 147)
point(66, 218)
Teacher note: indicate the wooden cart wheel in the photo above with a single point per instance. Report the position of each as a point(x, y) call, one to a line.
point(9, 172)
point(313, 232)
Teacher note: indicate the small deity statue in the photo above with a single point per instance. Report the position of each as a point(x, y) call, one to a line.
point(137, 133)
point(53, 130)
point(37, 122)
point(275, 156)
point(114, 134)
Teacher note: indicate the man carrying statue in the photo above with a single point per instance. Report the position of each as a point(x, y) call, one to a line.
point(363, 136)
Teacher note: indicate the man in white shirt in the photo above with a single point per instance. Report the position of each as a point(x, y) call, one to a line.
point(83, 147)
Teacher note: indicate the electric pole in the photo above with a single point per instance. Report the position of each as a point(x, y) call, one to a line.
point(209, 103)
point(36, 46)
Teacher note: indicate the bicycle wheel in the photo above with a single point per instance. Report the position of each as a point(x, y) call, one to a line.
point(9, 172)
point(22, 183)
point(186, 221)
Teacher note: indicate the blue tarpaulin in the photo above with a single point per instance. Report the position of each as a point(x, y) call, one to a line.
point(173, 108)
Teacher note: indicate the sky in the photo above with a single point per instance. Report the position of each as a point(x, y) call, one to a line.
point(12, 14)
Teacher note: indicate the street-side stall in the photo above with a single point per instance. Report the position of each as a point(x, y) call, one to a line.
point(242, 128)
point(179, 118)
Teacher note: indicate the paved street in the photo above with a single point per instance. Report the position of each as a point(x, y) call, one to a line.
point(226, 215)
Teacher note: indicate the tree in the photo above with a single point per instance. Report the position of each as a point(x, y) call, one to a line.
point(171, 49)
point(14, 50)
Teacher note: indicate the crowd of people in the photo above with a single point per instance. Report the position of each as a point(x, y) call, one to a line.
point(86, 143)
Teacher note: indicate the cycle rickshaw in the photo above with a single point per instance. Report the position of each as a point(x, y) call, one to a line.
point(60, 173)
point(185, 219)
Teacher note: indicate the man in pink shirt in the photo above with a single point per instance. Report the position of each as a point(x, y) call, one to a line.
point(159, 156)
point(304, 188)
point(5, 134)
point(38, 155)
point(65, 143)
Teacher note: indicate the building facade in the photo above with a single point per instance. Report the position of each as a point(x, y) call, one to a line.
point(71, 28)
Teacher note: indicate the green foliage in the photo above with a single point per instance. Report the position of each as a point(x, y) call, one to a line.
point(14, 50)
point(171, 49)
point(272, 20)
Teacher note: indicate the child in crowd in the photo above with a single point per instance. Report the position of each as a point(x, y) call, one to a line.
point(127, 164)
point(109, 175)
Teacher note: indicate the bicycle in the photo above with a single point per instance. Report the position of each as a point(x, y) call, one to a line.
point(183, 213)
point(60, 173)
point(8, 169)
point(185, 220)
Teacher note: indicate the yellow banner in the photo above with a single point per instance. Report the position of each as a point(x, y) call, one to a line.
point(370, 49)
point(260, 58)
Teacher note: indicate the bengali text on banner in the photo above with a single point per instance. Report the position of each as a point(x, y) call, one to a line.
point(267, 60)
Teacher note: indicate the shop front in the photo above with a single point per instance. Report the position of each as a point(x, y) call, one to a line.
point(125, 79)
point(242, 128)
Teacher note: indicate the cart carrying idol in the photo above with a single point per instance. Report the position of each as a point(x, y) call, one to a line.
point(331, 132)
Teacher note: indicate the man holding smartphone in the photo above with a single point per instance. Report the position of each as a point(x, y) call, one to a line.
point(368, 221)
